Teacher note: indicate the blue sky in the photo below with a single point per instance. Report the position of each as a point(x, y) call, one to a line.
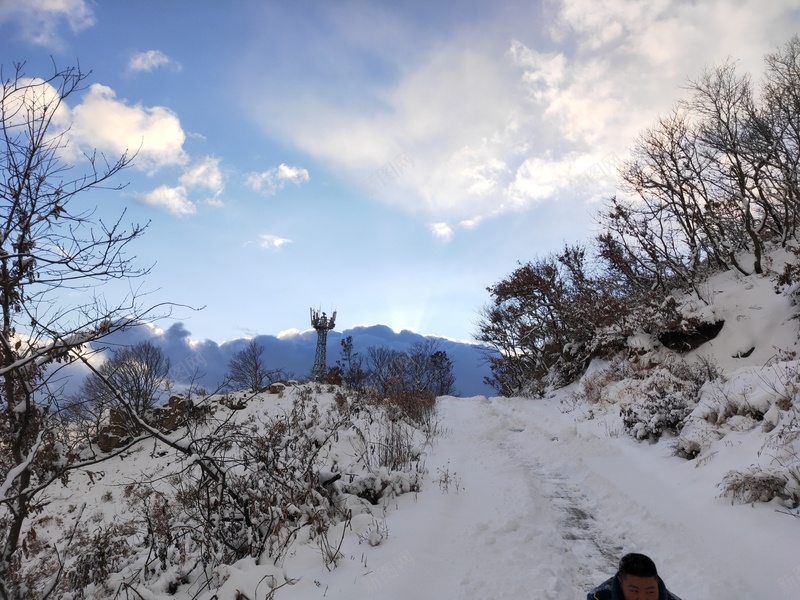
point(388, 160)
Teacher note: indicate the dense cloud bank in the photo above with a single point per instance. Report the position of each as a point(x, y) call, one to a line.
point(205, 363)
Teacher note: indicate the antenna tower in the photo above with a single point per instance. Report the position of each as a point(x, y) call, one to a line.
point(323, 325)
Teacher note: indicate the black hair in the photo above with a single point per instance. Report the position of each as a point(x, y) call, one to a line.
point(637, 565)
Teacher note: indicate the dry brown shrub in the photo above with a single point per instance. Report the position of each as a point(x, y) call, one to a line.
point(416, 405)
point(757, 485)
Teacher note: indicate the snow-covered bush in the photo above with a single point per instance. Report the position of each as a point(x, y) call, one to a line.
point(651, 417)
point(760, 485)
point(248, 484)
point(767, 399)
point(783, 449)
point(103, 552)
point(779, 476)
point(595, 386)
point(742, 401)
point(665, 398)
point(387, 438)
point(374, 534)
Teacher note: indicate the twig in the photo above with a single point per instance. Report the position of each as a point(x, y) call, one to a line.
point(50, 588)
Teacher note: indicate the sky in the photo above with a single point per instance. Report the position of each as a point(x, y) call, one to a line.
point(385, 160)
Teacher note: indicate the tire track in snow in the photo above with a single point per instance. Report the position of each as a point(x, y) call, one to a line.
point(593, 552)
point(613, 501)
point(498, 537)
point(513, 532)
point(529, 524)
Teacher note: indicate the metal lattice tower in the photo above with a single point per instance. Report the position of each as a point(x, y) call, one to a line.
point(323, 325)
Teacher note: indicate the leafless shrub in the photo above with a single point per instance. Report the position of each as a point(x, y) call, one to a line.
point(419, 406)
point(375, 534)
point(103, 552)
point(593, 385)
point(758, 485)
point(446, 479)
point(388, 444)
point(784, 383)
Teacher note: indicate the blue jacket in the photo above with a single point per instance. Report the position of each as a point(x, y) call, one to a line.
point(611, 590)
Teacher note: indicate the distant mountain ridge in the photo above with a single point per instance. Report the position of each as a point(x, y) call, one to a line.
point(205, 362)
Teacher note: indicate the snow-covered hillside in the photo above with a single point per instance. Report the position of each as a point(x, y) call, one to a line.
point(519, 498)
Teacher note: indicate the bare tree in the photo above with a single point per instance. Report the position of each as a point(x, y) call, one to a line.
point(713, 182)
point(386, 369)
point(677, 228)
point(441, 382)
point(501, 327)
point(247, 370)
point(780, 130)
point(140, 373)
point(351, 365)
point(724, 104)
point(545, 320)
point(48, 249)
point(423, 368)
point(430, 369)
point(526, 322)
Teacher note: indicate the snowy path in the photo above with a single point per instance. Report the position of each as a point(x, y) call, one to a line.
point(534, 525)
point(532, 505)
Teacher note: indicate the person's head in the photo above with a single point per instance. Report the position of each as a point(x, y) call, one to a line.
point(638, 577)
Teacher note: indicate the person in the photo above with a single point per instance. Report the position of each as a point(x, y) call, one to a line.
point(636, 579)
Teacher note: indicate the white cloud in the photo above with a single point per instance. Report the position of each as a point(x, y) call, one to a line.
point(103, 123)
point(215, 202)
point(461, 113)
point(174, 199)
point(272, 180)
point(288, 333)
point(542, 72)
point(33, 94)
point(480, 171)
point(151, 60)
point(604, 23)
point(38, 21)
point(272, 242)
point(204, 174)
point(537, 179)
point(296, 175)
point(442, 231)
point(505, 123)
point(110, 125)
point(470, 223)
point(632, 57)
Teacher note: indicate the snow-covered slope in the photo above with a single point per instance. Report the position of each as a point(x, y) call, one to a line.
point(539, 498)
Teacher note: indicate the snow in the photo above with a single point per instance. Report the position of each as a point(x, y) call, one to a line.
point(526, 498)
point(524, 501)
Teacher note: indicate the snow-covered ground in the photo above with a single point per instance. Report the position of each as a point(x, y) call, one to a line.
point(525, 502)
point(530, 498)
